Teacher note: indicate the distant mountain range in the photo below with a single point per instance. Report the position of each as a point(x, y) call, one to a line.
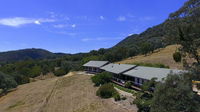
point(26, 54)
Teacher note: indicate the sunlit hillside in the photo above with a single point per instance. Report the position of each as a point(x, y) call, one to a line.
point(163, 56)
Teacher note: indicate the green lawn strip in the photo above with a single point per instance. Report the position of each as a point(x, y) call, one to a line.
point(124, 89)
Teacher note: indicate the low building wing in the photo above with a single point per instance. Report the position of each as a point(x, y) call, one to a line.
point(117, 68)
point(96, 64)
point(150, 72)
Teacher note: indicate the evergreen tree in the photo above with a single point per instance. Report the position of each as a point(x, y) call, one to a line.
point(175, 95)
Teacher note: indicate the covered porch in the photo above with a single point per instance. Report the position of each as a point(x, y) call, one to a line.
point(92, 70)
point(122, 79)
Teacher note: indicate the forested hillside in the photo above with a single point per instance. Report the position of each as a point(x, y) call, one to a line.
point(27, 54)
point(155, 36)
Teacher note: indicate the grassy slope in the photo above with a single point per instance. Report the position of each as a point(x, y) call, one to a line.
point(71, 93)
point(163, 56)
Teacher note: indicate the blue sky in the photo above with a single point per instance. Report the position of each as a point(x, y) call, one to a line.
point(73, 26)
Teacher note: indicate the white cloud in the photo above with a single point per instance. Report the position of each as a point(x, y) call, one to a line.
point(121, 18)
point(102, 17)
point(83, 18)
point(59, 25)
point(86, 39)
point(37, 22)
point(131, 15)
point(58, 16)
point(73, 25)
point(66, 33)
point(19, 21)
point(52, 14)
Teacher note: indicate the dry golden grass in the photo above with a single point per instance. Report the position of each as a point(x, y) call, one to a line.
point(71, 93)
point(162, 56)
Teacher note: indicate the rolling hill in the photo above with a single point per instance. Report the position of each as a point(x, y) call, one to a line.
point(25, 54)
point(160, 56)
point(71, 93)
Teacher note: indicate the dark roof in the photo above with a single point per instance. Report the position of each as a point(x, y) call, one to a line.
point(95, 64)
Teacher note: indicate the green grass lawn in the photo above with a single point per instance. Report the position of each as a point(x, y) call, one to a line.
point(124, 89)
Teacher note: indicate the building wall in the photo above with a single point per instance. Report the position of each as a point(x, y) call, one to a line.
point(118, 77)
point(123, 78)
point(93, 69)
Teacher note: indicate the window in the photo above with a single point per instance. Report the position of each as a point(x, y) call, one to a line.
point(138, 80)
point(133, 79)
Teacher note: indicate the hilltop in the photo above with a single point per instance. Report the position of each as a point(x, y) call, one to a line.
point(27, 54)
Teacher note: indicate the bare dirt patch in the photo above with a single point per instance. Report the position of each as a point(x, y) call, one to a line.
point(73, 93)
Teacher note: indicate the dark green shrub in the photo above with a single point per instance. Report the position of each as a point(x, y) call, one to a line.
point(117, 97)
point(60, 72)
point(143, 102)
point(101, 78)
point(106, 91)
point(1, 91)
point(149, 85)
point(177, 56)
point(20, 79)
point(35, 71)
point(128, 84)
point(124, 98)
point(7, 82)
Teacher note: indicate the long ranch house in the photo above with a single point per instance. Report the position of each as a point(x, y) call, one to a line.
point(125, 72)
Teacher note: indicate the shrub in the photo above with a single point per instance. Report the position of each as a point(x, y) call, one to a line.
point(177, 56)
point(175, 95)
point(106, 91)
point(149, 85)
point(35, 71)
point(101, 78)
point(7, 82)
point(143, 102)
point(145, 48)
point(20, 79)
point(117, 97)
point(60, 72)
point(124, 98)
point(1, 91)
point(128, 84)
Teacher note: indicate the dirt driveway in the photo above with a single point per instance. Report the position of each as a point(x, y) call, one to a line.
point(73, 93)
